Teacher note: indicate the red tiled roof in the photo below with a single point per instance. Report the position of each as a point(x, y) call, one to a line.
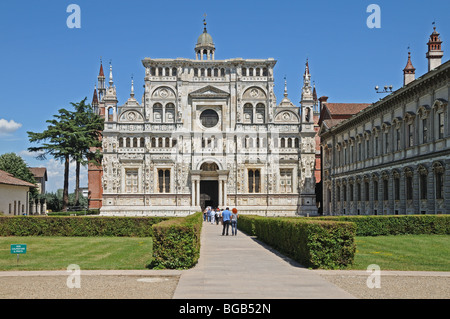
point(346, 108)
point(39, 172)
point(9, 179)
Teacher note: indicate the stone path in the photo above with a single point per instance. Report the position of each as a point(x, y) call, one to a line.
point(241, 267)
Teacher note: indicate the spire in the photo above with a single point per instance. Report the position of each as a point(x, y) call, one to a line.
point(101, 74)
point(204, 24)
point(110, 75)
point(307, 90)
point(409, 68)
point(95, 97)
point(285, 87)
point(132, 87)
point(409, 71)
point(285, 101)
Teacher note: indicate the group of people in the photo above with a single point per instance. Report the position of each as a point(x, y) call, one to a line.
point(225, 217)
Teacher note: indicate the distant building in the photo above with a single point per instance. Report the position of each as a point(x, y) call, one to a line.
point(393, 156)
point(40, 175)
point(14, 194)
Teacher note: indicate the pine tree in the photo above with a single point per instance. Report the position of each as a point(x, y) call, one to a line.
point(89, 126)
point(59, 141)
point(70, 135)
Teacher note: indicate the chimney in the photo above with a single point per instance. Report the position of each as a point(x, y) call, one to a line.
point(322, 100)
point(435, 53)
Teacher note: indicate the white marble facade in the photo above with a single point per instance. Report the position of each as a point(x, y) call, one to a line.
point(208, 132)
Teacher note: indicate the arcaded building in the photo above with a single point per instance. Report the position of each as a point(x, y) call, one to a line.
point(393, 156)
point(207, 132)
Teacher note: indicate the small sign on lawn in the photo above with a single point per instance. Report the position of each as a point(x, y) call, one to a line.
point(18, 249)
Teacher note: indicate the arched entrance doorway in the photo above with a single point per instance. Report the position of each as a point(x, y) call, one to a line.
point(209, 185)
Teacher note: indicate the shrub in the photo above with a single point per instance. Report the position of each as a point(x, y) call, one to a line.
point(313, 243)
point(176, 242)
point(77, 226)
point(397, 224)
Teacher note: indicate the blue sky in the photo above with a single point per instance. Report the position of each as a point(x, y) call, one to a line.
point(44, 65)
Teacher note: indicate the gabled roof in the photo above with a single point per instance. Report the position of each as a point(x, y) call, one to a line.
point(9, 179)
point(331, 112)
point(39, 172)
point(345, 108)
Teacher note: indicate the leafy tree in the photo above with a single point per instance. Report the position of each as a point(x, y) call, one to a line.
point(15, 165)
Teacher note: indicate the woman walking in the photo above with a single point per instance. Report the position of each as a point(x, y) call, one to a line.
point(234, 218)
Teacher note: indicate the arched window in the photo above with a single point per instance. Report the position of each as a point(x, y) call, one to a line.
point(438, 169)
point(409, 183)
point(248, 113)
point(423, 176)
point(260, 113)
point(110, 114)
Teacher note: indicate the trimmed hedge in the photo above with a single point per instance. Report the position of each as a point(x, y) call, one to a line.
point(78, 226)
point(312, 243)
point(176, 242)
point(397, 224)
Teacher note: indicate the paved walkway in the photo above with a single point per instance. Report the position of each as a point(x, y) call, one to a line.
point(241, 267)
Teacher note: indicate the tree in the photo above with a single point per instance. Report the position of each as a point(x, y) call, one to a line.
point(71, 135)
point(89, 127)
point(15, 165)
point(58, 140)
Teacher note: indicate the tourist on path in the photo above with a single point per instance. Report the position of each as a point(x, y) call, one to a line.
point(234, 218)
point(217, 217)
point(226, 215)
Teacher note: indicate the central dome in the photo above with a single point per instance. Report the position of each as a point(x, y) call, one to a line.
point(204, 49)
point(205, 39)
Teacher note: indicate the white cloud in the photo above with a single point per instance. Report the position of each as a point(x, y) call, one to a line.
point(7, 127)
point(27, 153)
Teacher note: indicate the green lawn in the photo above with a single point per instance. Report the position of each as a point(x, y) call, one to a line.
point(56, 253)
point(404, 252)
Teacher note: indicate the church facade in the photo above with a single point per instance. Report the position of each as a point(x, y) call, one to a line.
point(207, 132)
